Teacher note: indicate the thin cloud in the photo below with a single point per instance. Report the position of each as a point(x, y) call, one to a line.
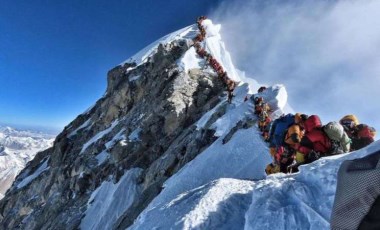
point(325, 52)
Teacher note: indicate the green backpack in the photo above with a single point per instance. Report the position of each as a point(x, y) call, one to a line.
point(335, 132)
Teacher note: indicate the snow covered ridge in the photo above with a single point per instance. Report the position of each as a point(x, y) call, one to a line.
point(300, 201)
point(200, 196)
point(136, 160)
point(143, 55)
point(17, 147)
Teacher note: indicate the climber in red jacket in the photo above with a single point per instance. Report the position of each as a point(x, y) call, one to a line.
point(315, 142)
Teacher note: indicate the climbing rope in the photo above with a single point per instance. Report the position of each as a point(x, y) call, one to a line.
point(216, 66)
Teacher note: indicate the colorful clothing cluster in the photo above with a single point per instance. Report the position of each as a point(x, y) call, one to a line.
point(296, 139)
point(216, 66)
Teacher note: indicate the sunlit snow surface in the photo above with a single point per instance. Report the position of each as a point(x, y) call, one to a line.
point(200, 196)
point(109, 201)
point(17, 147)
point(225, 186)
point(143, 55)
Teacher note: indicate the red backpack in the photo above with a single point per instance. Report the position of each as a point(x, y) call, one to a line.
point(312, 122)
point(365, 131)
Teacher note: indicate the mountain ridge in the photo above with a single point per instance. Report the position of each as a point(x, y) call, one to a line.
point(147, 110)
point(164, 149)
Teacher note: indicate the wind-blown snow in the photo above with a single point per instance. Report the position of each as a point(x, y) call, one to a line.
point(215, 46)
point(109, 201)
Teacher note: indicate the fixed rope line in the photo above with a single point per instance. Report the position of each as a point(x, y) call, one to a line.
point(216, 66)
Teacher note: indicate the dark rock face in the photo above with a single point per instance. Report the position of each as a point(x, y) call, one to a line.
point(145, 120)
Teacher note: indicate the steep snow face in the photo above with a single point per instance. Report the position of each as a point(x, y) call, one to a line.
point(109, 201)
point(17, 147)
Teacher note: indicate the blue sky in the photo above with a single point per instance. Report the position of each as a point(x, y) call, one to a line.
point(54, 55)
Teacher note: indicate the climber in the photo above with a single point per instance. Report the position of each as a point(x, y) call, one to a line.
point(284, 157)
point(279, 127)
point(266, 131)
point(201, 19)
point(349, 123)
point(315, 143)
point(222, 76)
point(198, 38)
point(201, 52)
point(246, 98)
point(203, 32)
point(264, 120)
point(272, 168)
point(293, 136)
point(211, 61)
point(261, 89)
point(230, 96)
point(300, 119)
point(220, 73)
point(340, 142)
point(220, 69)
point(364, 135)
point(259, 101)
point(230, 84)
point(360, 134)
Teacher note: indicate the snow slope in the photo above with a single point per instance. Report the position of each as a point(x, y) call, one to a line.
point(225, 187)
point(17, 147)
point(300, 201)
point(243, 157)
point(143, 55)
point(109, 201)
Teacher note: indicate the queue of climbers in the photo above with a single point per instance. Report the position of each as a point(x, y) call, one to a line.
point(296, 139)
point(222, 74)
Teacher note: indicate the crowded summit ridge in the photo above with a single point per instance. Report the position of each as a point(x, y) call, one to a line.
point(294, 139)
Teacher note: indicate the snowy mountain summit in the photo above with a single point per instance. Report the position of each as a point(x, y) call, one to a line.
point(162, 149)
point(17, 147)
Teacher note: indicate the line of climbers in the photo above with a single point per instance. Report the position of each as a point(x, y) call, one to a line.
point(296, 139)
point(222, 74)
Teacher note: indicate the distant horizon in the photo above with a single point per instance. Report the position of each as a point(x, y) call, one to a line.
point(35, 128)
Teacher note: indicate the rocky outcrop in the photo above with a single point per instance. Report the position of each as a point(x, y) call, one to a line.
point(145, 120)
